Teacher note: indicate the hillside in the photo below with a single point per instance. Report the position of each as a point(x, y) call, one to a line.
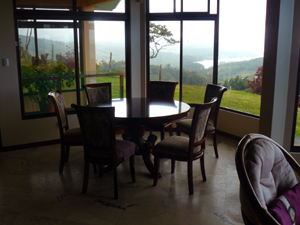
point(167, 58)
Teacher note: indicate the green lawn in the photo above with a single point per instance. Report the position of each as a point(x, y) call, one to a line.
point(238, 100)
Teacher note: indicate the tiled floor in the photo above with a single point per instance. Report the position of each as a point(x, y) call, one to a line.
point(33, 192)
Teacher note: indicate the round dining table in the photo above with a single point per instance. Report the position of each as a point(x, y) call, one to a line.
point(138, 113)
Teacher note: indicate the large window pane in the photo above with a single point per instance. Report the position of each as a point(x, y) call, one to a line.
point(104, 55)
point(165, 51)
point(156, 6)
point(241, 49)
point(198, 43)
point(47, 63)
point(195, 5)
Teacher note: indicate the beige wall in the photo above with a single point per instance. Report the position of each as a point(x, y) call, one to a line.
point(14, 130)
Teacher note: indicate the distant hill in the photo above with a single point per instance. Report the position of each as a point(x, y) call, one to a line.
point(170, 56)
point(242, 68)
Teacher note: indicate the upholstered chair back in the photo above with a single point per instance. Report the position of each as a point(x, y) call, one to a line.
point(97, 126)
point(98, 93)
point(265, 171)
point(213, 90)
point(199, 124)
point(162, 91)
point(60, 110)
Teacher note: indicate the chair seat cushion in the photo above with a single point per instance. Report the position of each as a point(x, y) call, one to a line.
point(286, 208)
point(125, 149)
point(173, 146)
point(74, 136)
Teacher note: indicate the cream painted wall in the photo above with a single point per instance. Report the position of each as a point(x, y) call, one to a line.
point(237, 124)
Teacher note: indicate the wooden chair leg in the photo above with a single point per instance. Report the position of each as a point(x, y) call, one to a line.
point(172, 166)
point(132, 168)
point(156, 170)
point(162, 134)
point(67, 153)
point(170, 131)
point(115, 182)
point(101, 170)
point(178, 132)
point(215, 145)
point(202, 168)
point(62, 158)
point(95, 168)
point(85, 176)
point(190, 177)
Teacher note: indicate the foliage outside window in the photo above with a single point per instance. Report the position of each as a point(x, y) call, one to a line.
point(56, 53)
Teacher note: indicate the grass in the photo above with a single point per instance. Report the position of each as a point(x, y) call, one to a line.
point(238, 100)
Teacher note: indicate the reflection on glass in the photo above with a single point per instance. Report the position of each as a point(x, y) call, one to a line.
point(195, 5)
point(164, 55)
point(115, 6)
point(198, 40)
point(49, 67)
point(157, 6)
point(104, 55)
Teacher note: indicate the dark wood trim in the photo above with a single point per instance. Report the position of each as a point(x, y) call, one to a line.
point(231, 136)
point(30, 145)
point(1, 147)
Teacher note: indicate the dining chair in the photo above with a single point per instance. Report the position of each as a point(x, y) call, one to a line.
point(68, 137)
point(101, 93)
point(98, 93)
point(212, 90)
point(100, 144)
point(186, 149)
point(162, 91)
point(267, 172)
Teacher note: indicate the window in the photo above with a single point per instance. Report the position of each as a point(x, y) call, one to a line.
point(219, 42)
point(241, 50)
point(181, 41)
point(63, 50)
point(296, 128)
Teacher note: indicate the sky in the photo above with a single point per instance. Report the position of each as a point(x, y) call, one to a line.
point(242, 25)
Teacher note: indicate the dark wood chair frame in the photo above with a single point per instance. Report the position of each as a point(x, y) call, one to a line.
point(170, 85)
point(192, 144)
point(120, 129)
point(65, 145)
point(212, 90)
point(114, 161)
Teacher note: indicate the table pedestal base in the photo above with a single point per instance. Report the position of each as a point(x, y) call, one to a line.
point(135, 134)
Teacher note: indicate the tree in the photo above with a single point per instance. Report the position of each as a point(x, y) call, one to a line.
point(237, 83)
point(160, 37)
point(256, 83)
